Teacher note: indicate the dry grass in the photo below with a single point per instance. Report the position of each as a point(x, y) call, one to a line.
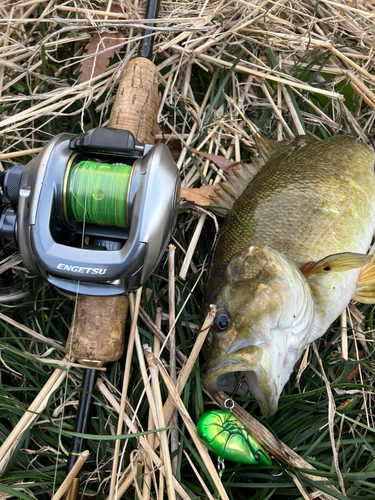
point(290, 67)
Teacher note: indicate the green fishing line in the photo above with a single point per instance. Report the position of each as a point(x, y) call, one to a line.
point(97, 193)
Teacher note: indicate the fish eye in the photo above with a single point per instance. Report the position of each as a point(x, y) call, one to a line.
point(256, 456)
point(221, 321)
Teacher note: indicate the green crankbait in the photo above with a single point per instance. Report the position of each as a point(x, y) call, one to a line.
point(225, 436)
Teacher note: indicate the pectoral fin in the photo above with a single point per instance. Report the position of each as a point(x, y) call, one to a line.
point(366, 284)
point(338, 262)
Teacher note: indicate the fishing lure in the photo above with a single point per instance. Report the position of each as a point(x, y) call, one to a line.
point(225, 436)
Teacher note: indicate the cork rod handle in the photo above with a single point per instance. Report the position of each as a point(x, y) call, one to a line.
point(136, 105)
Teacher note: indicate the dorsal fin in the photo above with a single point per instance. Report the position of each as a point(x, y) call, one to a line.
point(231, 189)
point(267, 148)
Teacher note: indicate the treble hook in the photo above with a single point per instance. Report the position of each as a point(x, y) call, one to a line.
point(280, 473)
point(239, 383)
point(229, 403)
point(277, 475)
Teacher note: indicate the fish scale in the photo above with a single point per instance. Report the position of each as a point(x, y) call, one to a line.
point(309, 200)
point(287, 197)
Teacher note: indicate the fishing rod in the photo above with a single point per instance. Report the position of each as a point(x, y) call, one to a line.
point(93, 215)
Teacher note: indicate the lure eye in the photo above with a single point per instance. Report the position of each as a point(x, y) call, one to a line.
point(256, 456)
point(221, 321)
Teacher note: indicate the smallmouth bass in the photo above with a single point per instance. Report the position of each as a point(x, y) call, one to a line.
point(280, 282)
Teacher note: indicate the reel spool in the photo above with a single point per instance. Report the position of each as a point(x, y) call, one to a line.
point(97, 193)
point(92, 213)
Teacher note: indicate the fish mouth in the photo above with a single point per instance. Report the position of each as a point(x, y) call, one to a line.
point(225, 373)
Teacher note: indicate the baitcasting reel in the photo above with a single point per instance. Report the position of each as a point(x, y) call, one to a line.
point(92, 213)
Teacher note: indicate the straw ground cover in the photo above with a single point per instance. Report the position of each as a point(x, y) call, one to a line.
point(289, 67)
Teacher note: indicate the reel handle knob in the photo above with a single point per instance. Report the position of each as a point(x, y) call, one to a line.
point(11, 182)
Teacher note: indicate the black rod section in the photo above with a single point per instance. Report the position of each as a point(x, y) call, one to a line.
point(83, 417)
point(147, 43)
